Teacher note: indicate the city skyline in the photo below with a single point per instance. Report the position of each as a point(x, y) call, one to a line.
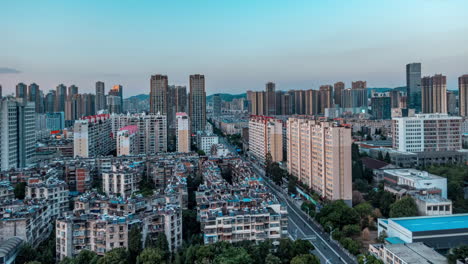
point(286, 44)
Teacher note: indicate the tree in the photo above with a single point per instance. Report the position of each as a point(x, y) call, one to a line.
point(404, 207)
point(351, 230)
point(26, 253)
point(337, 214)
point(201, 152)
point(86, 257)
point(308, 207)
point(33, 262)
point(115, 256)
point(163, 245)
point(134, 243)
point(351, 245)
point(233, 255)
point(380, 156)
point(387, 158)
point(190, 225)
point(460, 253)
point(302, 247)
point(305, 259)
point(272, 259)
point(369, 259)
point(151, 256)
point(285, 250)
point(292, 182)
point(67, 260)
point(20, 190)
point(276, 173)
point(268, 163)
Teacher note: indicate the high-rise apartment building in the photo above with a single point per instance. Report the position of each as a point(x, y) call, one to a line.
point(35, 95)
point(338, 88)
point(463, 95)
point(17, 133)
point(300, 102)
point(1, 95)
point(22, 91)
point(127, 141)
point(256, 102)
point(197, 103)
point(152, 130)
point(451, 103)
point(72, 90)
point(270, 98)
point(217, 104)
point(60, 98)
point(434, 94)
point(353, 98)
point(381, 107)
point(319, 155)
point(312, 102)
point(92, 136)
point(427, 132)
point(158, 94)
point(413, 86)
point(183, 132)
point(115, 99)
point(326, 97)
point(395, 98)
point(100, 103)
point(266, 136)
point(181, 99)
point(359, 85)
point(49, 102)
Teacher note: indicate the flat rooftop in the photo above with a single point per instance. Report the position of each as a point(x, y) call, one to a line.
point(431, 223)
point(413, 174)
point(416, 253)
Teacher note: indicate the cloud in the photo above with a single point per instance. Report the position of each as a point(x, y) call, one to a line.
point(5, 70)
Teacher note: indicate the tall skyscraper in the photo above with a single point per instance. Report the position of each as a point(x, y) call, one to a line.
point(270, 98)
point(413, 86)
point(395, 98)
point(463, 95)
point(61, 97)
point(256, 102)
point(434, 94)
point(158, 94)
point(451, 103)
point(183, 132)
point(326, 97)
point(359, 85)
point(17, 133)
point(338, 87)
point(216, 104)
point(312, 102)
point(100, 96)
point(35, 95)
point(115, 99)
point(197, 103)
point(49, 102)
point(1, 95)
point(266, 136)
point(319, 155)
point(72, 90)
point(181, 99)
point(22, 91)
point(381, 107)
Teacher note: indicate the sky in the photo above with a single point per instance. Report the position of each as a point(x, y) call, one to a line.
point(238, 45)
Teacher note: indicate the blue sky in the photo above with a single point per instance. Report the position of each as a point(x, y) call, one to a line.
point(238, 45)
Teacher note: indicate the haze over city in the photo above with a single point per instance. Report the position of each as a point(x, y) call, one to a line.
point(237, 45)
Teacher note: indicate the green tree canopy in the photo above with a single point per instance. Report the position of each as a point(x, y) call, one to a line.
point(134, 243)
point(151, 256)
point(115, 256)
point(404, 207)
point(459, 253)
point(305, 259)
point(20, 190)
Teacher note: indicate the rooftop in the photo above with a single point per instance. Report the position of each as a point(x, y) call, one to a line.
point(416, 253)
point(413, 174)
point(431, 223)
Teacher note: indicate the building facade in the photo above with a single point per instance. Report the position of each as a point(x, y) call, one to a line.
point(319, 155)
point(266, 136)
point(197, 103)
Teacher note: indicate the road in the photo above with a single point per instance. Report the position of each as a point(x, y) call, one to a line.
point(300, 226)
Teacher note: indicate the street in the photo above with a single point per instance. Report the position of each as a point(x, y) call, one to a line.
point(299, 226)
